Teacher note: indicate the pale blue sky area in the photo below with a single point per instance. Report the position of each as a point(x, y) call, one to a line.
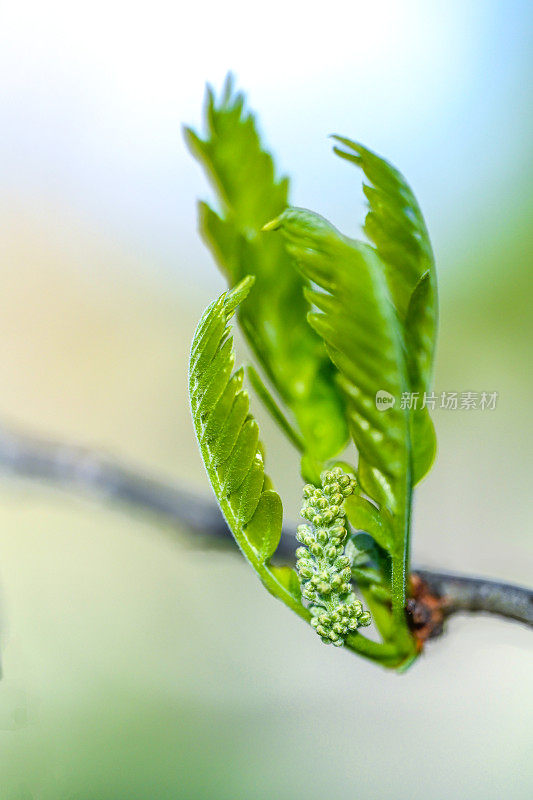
point(92, 102)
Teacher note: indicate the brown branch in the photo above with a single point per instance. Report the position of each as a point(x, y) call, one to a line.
point(83, 470)
point(460, 593)
point(80, 469)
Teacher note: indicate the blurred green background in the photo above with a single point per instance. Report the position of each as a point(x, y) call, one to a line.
point(135, 663)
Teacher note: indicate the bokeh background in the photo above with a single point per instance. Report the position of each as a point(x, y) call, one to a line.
point(136, 663)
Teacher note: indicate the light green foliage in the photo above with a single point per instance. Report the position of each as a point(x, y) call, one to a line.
point(273, 319)
point(396, 227)
point(228, 437)
point(332, 321)
point(352, 310)
point(324, 568)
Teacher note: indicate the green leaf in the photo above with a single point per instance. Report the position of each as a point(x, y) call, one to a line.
point(364, 516)
point(224, 405)
point(396, 227)
point(274, 317)
point(394, 222)
point(354, 314)
point(424, 443)
point(288, 578)
point(228, 437)
point(250, 492)
point(251, 508)
point(264, 529)
point(420, 333)
point(241, 457)
point(420, 326)
point(366, 552)
point(228, 432)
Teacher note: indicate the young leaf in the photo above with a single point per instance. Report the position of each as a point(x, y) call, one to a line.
point(352, 312)
point(420, 332)
point(424, 443)
point(264, 529)
point(396, 227)
point(355, 317)
point(288, 578)
point(363, 516)
point(251, 508)
point(229, 443)
point(274, 317)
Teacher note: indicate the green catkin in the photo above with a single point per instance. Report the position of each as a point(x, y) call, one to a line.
point(323, 566)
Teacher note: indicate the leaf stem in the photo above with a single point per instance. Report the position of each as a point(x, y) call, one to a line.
point(400, 569)
point(273, 408)
point(387, 654)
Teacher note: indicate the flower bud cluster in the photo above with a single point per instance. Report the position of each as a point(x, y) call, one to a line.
point(324, 568)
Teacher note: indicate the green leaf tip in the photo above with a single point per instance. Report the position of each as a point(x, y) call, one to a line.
point(302, 221)
point(323, 566)
point(396, 228)
point(234, 297)
point(250, 191)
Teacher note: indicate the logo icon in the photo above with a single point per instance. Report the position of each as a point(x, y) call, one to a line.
point(384, 400)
